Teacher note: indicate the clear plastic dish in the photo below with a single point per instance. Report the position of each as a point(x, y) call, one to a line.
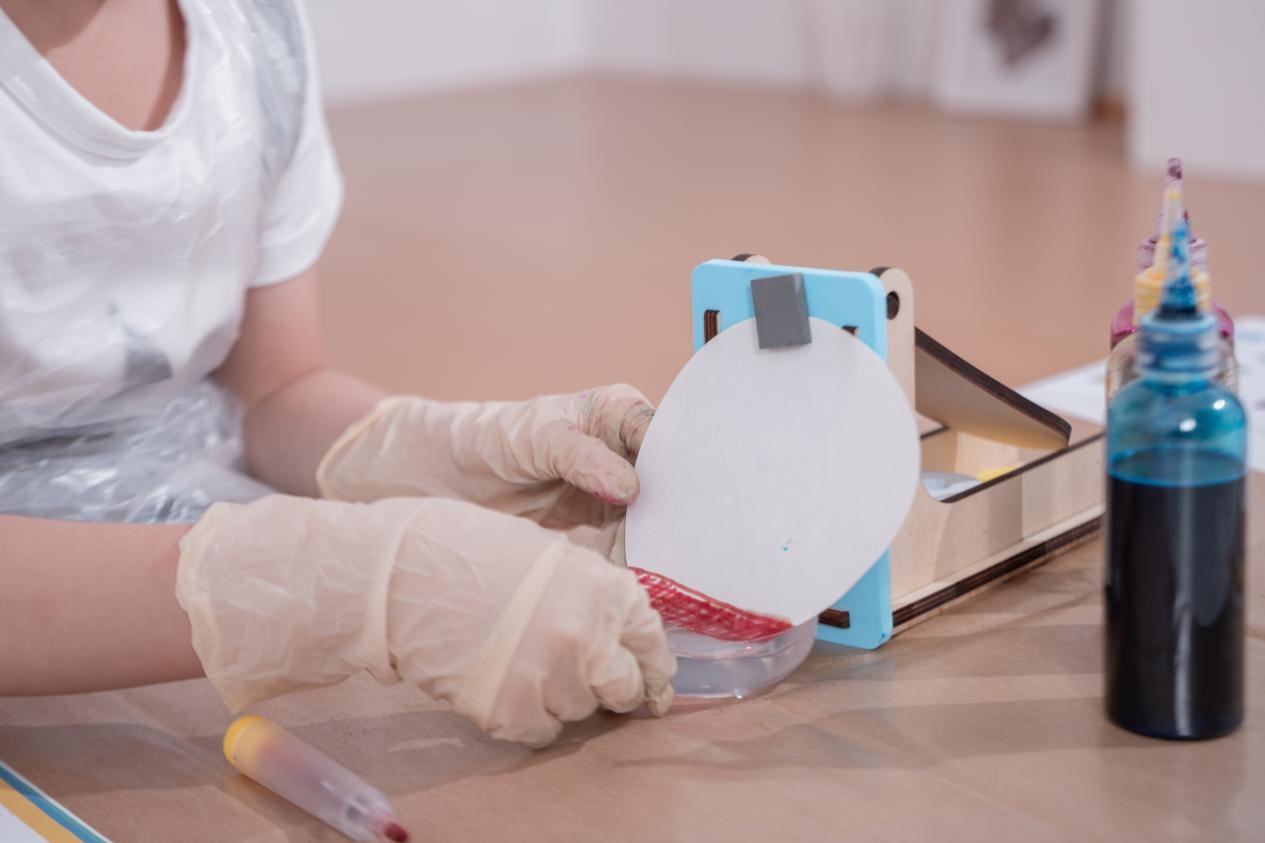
point(710, 669)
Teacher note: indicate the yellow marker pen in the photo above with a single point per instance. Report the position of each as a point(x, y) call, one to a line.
point(263, 751)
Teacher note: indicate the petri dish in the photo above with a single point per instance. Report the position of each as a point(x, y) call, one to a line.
point(710, 669)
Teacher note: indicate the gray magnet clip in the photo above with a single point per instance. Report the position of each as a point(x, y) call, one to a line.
point(781, 311)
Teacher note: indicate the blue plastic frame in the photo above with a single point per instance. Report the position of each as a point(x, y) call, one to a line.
point(853, 299)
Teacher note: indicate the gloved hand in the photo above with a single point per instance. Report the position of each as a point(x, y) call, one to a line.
point(560, 460)
point(519, 629)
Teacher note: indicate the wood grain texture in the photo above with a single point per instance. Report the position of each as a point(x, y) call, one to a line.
point(520, 240)
point(982, 723)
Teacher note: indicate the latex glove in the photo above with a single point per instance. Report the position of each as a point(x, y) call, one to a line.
point(609, 542)
point(516, 627)
point(560, 460)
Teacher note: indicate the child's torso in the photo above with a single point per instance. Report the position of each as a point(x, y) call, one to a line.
point(125, 254)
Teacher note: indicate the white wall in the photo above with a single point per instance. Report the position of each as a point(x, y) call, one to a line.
point(753, 41)
point(857, 48)
point(372, 49)
point(1192, 83)
point(384, 48)
point(1113, 70)
point(1201, 99)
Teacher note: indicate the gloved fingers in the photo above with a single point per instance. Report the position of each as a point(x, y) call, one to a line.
point(644, 637)
point(588, 464)
point(573, 507)
point(568, 696)
point(618, 415)
point(609, 542)
point(531, 706)
point(529, 725)
point(617, 681)
point(634, 412)
point(633, 430)
point(527, 709)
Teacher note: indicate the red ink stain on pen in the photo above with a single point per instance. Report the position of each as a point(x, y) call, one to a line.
point(395, 832)
point(694, 611)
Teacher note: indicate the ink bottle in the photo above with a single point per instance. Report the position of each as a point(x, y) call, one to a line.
point(1176, 464)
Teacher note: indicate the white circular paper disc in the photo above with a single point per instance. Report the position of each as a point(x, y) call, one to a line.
point(774, 479)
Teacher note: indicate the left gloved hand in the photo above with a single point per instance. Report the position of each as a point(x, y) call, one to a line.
point(519, 629)
point(560, 460)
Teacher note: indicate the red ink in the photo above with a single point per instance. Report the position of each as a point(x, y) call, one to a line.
point(694, 611)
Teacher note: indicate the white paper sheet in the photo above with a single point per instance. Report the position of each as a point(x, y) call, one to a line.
point(1080, 392)
point(1249, 348)
point(774, 479)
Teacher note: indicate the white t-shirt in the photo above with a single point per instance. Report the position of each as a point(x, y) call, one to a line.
point(125, 256)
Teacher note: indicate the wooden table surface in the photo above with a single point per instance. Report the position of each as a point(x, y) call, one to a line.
point(984, 723)
point(540, 238)
point(507, 242)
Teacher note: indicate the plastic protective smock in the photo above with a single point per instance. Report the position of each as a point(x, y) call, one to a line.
point(126, 257)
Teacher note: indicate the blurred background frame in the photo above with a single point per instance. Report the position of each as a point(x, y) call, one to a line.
point(1025, 58)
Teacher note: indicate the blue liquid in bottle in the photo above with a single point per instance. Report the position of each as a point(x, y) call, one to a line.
point(1176, 456)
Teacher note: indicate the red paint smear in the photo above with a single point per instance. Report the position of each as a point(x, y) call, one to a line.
point(694, 611)
point(396, 832)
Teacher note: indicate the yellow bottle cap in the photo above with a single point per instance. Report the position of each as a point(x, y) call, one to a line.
point(239, 726)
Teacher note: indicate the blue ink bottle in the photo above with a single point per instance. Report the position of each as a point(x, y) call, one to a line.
point(1176, 463)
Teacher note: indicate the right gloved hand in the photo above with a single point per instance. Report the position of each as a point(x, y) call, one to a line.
point(519, 629)
point(560, 460)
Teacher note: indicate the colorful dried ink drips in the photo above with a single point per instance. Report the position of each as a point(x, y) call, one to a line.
point(693, 611)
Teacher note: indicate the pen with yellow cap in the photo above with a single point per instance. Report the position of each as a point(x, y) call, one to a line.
point(276, 759)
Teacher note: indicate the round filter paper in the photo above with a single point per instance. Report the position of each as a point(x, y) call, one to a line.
point(774, 479)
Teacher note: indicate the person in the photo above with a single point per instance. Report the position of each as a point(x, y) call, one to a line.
point(187, 487)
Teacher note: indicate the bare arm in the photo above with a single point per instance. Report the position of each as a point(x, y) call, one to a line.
point(87, 607)
point(295, 406)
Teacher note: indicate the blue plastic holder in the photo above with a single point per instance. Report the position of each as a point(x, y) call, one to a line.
point(856, 301)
